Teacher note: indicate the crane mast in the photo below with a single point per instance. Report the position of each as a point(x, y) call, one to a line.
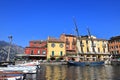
point(78, 36)
point(93, 49)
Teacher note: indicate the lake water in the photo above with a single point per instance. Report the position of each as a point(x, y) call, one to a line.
point(64, 72)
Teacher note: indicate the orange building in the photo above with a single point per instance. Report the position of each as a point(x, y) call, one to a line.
point(70, 41)
point(37, 49)
point(114, 45)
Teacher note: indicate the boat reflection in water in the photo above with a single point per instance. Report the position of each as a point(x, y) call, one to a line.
point(64, 72)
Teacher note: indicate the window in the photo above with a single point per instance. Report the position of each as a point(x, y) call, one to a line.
point(73, 47)
point(87, 49)
point(67, 46)
point(53, 45)
point(38, 51)
point(52, 53)
point(117, 51)
point(81, 42)
point(86, 41)
point(67, 42)
point(61, 53)
point(61, 45)
point(32, 52)
point(104, 50)
point(74, 42)
point(66, 39)
point(116, 46)
point(98, 49)
point(43, 52)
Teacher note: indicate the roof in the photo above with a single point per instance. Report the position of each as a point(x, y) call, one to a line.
point(68, 35)
point(51, 39)
point(38, 41)
point(115, 37)
point(41, 47)
point(88, 38)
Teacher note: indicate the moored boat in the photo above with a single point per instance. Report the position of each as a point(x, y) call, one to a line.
point(90, 58)
point(87, 63)
point(27, 67)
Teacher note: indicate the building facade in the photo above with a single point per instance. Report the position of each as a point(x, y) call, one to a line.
point(55, 49)
point(84, 45)
point(114, 45)
point(70, 43)
point(37, 49)
point(91, 49)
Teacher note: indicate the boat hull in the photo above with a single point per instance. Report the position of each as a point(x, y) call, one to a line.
point(96, 63)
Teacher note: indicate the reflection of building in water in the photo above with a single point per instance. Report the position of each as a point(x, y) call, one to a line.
point(63, 72)
point(71, 73)
point(55, 72)
point(88, 73)
point(95, 73)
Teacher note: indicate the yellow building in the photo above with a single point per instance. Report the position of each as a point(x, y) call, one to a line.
point(88, 50)
point(55, 49)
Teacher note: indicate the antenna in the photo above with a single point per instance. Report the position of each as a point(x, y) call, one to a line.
point(76, 29)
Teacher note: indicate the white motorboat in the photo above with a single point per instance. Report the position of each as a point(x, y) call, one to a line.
point(28, 67)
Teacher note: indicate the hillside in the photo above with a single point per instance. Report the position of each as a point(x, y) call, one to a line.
point(4, 47)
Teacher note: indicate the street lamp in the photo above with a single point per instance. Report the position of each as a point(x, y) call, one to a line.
point(8, 56)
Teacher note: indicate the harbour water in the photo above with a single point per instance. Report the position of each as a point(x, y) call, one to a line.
point(64, 72)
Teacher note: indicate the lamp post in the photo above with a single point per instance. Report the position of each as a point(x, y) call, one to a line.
point(8, 56)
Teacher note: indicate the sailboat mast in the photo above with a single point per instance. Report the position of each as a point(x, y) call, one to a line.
point(93, 49)
point(76, 29)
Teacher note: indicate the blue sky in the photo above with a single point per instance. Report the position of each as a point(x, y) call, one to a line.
point(29, 20)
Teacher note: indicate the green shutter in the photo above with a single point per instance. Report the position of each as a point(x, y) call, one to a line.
point(52, 53)
point(61, 53)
